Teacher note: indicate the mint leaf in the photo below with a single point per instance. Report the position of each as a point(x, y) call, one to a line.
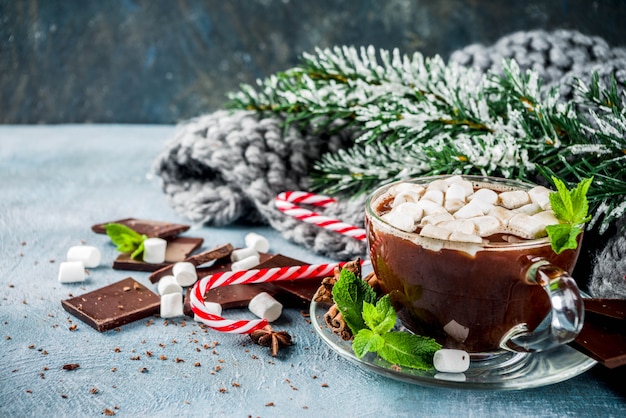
point(570, 208)
point(409, 350)
point(563, 237)
point(125, 239)
point(349, 293)
point(366, 341)
point(381, 317)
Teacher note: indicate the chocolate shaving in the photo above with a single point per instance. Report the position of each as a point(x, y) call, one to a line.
point(217, 253)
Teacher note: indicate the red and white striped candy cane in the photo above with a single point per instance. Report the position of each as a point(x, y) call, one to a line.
point(245, 277)
point(286, 203)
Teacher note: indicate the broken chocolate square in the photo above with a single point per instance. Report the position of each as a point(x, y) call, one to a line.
point(152, 229)
point(178, 249)
point(114, 305)
point(603, 336)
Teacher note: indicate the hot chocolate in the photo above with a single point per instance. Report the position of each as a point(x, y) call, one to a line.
point(460, 281)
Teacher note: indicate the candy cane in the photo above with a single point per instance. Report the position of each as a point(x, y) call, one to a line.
point(285, 202)
point(245, 277)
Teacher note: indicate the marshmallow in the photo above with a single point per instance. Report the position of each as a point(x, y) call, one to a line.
point(185, 273)
point(242, 253)
point(429, 207)
point(411, 210)
point(90, 256)
point(246, 264)
point(400, 221)
point(154, 250)
point(434, 196)
point(485, 195)
point(439, 185)
point(546, 217)
point(436, 218)
point(168, 284)
point(541, 196)
point(258, 242)
point(486, 225)
point(473, 209)
point(526, 226)
point(404, 197)
point(172, 305)
point(463, 237)
point(514, 199)
point(71, 272)
point(449, 360)
point(432, 231)
point(265, 306)
point(212, 308)
point(529, 209)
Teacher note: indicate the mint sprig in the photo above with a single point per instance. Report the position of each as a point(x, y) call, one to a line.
point(126, 239)
point(571, 209)
point(372, 321)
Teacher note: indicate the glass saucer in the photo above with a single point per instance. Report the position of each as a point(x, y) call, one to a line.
point(512, 371)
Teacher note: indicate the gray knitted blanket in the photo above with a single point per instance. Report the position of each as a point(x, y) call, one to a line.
point(225, 167)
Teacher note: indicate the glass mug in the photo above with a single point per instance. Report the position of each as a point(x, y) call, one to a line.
point(484, 298)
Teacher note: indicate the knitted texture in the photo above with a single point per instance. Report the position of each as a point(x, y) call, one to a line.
point(227, 167)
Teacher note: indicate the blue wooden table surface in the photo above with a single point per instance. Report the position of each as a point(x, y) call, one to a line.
point(57, 181)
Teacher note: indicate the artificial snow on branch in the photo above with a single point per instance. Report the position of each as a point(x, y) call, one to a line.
point(414, 116)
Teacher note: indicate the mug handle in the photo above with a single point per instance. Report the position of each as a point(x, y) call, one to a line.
point(566, 318)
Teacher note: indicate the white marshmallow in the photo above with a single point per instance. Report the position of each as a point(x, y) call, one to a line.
point(245, 264)
point(546, 217)
point(485, 195)
point(185, 273)
point(265, 306)
point(473, 209)
point(432, 231)
point(434, 196)
point(456, 191)
point(454, 179)
point(541, 196)
point(168, 284)
point(486, 225)
point(526, 226)
point(465, 226)
point(212, 307)
point(463, 237)
point(449, 360)
point(502, 214)
point(514, 199)
point(429, 207)
point(436, 219)
point(529, 209)
point(71, 272)
point(400, 221)
point(90, 256)
point(154, 250)
point(405, 196)
point(172, 305)
point(242, 253)
point(453, 205)
point(258, 242)
point(457, 331)
point(439, 185)
point(410, 209)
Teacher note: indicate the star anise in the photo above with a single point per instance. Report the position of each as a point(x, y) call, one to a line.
point(267, 337)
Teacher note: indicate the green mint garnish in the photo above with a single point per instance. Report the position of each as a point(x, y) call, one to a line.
point(349, 293)
point(126, 239)
point(372, 322)
point(570, 208)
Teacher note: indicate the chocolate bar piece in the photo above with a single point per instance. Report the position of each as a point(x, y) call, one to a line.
point(217, 253)
point(603, 336)
point(114, 305)
point(178, 249)
point(152, 229)
point(296, 293)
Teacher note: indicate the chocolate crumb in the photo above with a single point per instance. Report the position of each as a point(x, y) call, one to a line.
point(223, 390)
point(136, 358)
point(236, 385)
point(93, 391)
point(270, 404)
point(324, 385)
point(162, 357)
point(64, 396)
point(117, 349)
point(149, 353)
point(108, 412)
point(197, 364)
point(143, 370)
point(70, 366)
point(179, 360)
point(73, 327)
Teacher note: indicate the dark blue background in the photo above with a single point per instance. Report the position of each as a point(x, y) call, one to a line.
point(149, 61)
